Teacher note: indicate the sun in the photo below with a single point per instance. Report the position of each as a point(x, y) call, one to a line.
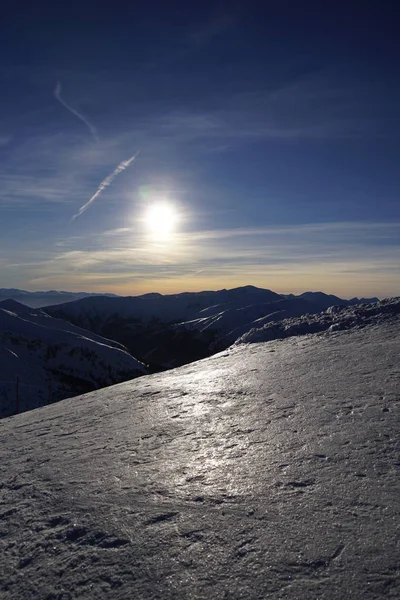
point(161, 219)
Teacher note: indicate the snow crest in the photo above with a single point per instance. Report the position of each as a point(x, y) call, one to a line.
point(335, 318)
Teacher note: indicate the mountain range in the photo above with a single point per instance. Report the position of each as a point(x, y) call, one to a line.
point(170, 330)
point(39, 299)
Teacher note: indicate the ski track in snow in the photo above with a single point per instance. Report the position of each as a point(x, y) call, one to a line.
point(269, 470)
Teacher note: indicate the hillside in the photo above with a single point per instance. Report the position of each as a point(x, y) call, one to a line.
point(43, 359)
point(171, 330)
point(267, 471)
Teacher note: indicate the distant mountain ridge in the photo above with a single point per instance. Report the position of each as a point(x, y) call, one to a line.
point(171, 330)
point(330, 299)
point(43, 298)
point(39, 299)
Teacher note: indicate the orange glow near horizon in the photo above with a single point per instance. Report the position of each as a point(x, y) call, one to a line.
point(289, 283)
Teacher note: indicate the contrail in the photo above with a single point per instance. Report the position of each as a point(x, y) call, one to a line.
point(57, 95)
point(105, 183)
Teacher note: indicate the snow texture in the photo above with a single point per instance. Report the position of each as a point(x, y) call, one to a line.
point(335, 318)
point(268, 471)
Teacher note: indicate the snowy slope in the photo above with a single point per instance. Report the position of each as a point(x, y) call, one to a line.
point(267, 471)
point(43, 359)
point(232, 322)
point(335, 318)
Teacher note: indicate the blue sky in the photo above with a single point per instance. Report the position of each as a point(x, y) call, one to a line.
point(271, 128)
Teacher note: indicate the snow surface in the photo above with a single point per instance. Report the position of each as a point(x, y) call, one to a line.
point(268, 471)
point(52, 359)
point(335, 318)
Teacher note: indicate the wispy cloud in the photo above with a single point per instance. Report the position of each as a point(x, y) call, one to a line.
point(217, 26)
point(80, 116)
point(29, 190)
point(318, 106)
point(5, 140)
point(46, 168)
point(331, 256)
point(105, 183)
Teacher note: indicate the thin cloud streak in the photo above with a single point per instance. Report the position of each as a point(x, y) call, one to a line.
point(188, 256)
point(60, 99)
point(105, 183)
point(338, 227)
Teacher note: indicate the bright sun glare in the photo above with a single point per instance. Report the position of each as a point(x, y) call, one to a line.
point(161, 219)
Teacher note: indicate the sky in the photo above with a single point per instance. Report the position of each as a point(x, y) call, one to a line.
point(268, 133)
